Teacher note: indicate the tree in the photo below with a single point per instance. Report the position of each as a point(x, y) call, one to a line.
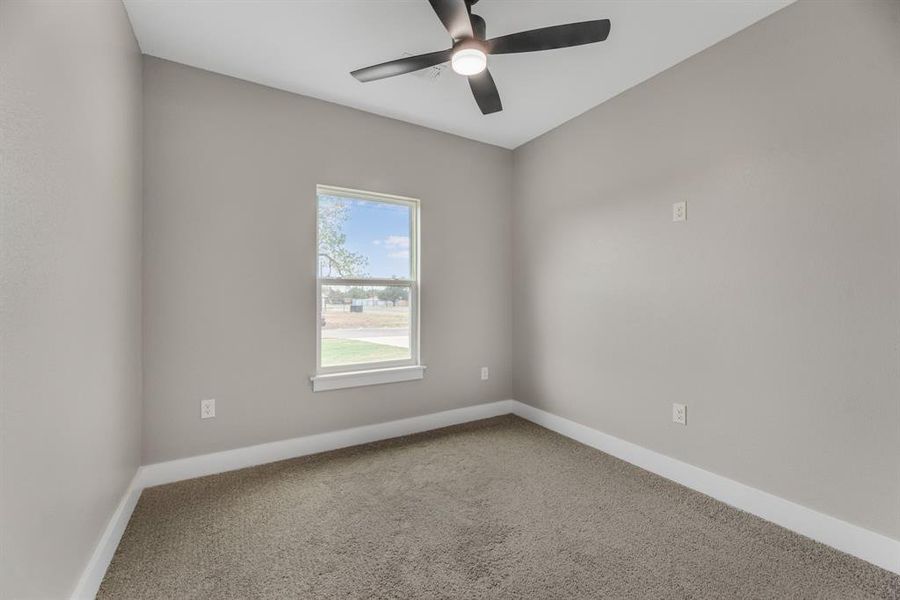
point(334, 259)
point(393, 294)
point(358, 293)
point(335, 295)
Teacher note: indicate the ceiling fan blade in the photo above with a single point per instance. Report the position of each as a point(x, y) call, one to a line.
point(402, 65)
point(485, 91)
point(455, 16)
point(549, 38)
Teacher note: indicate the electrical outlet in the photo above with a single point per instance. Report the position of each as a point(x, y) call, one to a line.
point(485, 373)
point(679, 211)
point(679, 414)
point(208, 408)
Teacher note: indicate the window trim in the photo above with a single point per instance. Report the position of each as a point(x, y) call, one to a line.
point(348, 379)
point(371, 372)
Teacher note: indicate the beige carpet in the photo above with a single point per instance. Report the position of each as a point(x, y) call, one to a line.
point(496, 509)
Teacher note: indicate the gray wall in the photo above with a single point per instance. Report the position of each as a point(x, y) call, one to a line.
point(229, 261)
point(70, 259)
point(774, 311)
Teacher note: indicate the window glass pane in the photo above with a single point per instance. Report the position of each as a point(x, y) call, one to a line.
point(365, 324)
point(363, 238)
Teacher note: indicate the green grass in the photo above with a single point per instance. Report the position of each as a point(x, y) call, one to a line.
point(343, 352)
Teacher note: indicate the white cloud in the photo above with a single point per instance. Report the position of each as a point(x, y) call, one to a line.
point(397, 246)
point(397, 241)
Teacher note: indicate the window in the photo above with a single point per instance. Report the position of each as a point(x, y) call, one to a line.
point(367, 287)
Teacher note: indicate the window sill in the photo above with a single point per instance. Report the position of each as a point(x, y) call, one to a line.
point(337, 381)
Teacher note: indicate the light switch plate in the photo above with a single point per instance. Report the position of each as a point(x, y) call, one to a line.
point(679, 211)
point(208, 408)
point(485, 373)
point(679, 414)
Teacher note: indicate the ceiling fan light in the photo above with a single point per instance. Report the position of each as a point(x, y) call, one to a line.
point(468, 61)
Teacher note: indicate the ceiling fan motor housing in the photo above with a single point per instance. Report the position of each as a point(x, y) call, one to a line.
point(470, 43)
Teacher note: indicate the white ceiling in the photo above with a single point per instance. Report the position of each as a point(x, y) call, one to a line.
point(310, 47)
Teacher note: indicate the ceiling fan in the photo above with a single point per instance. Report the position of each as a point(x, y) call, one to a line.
point(468, 55)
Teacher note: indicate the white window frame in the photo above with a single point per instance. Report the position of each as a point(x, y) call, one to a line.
point(371, 373)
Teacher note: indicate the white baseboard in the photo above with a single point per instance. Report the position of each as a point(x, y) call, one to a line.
point(89, 582)
point(229, 460)
point(862, 543)
point(852, 539)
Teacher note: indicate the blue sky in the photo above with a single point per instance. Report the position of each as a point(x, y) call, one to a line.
point(380, 232)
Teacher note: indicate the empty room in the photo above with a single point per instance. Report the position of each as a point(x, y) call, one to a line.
point(450, 299)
